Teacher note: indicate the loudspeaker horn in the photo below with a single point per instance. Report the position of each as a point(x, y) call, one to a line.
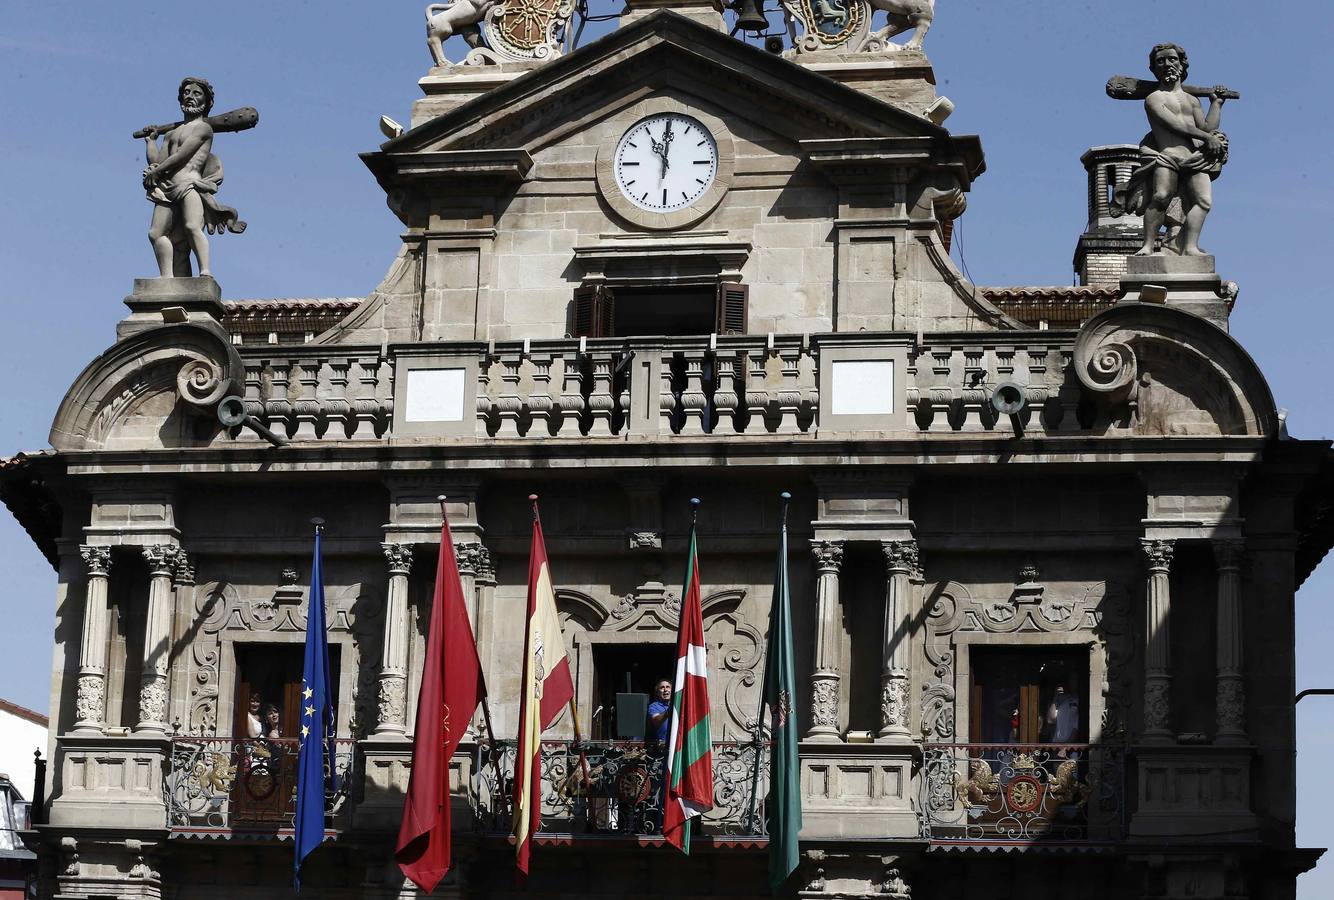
point(231, 411)
point(1009, 398)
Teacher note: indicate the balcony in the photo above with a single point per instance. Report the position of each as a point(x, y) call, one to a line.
point(1008, 794)
point(616, 789)
point(230, 785)
point(664, 388)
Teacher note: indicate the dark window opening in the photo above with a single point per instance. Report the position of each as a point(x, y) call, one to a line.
point(626, 669)
point(1029, 696)
point(268, 689)
point(665, 311)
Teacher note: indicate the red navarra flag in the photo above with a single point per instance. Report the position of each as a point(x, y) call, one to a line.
point(689, 783)
point(452, 686)
point(546, 688)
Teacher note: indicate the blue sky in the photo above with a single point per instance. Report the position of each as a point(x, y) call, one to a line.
point(1027, 77)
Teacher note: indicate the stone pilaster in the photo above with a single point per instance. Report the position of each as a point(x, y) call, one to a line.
point(1230, 709)
point(161, 559)
point(485, 580)
point(1158, 643)
point(394, 658)
point(828, 641)
point(90, 703)
point(896, 656)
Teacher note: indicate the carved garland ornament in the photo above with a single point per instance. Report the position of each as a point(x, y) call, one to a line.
point(153, 700)
point(894, 699)
point(91, 699)
point(824, 703)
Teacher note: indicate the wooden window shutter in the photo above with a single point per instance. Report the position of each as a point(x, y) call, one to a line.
point(594, 311)
point(733, 308)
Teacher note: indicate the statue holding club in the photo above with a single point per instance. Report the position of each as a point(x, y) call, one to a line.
point(183, 177)
point(1181, 156)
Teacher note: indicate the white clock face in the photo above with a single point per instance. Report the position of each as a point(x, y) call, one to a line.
point(666, 162)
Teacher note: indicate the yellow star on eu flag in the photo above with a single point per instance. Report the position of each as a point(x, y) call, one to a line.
point(307, 694)
point(305, 730)
point(310, 710)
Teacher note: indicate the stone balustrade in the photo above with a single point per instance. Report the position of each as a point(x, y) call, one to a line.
point(662, 388)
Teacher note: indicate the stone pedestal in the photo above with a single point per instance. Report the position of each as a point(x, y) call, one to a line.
point(165, 301)
point(449, 87)
point(110, 782)
point(904, 78)
point(1194, 792)
point(706, 12)
point(388, 767)
point(857, 791)
point(1191, 283)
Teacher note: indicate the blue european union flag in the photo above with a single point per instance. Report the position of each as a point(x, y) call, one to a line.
point(315, 769)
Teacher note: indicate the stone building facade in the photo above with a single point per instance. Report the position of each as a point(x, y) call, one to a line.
point(1045, 540)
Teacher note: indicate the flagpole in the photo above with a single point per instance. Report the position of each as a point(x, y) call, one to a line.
point(759, 717)
point(574, 708)
point(486, 710)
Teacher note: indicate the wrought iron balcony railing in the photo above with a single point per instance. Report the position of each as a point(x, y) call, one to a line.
point(1023, 793)
point(612, 788)
point(232, 784)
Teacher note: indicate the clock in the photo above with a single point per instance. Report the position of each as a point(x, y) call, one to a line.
point(665, 162)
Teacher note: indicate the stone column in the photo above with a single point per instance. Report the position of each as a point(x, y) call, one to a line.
point(90, 704)
point(486, 608)
point(1157, 643)
point(1230, 708)
point(468, 557)
point(394, 658)
point(161, 559)
point(896, 649)
point(828, 642)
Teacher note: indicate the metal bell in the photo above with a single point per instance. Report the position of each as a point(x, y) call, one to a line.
point(750, 16)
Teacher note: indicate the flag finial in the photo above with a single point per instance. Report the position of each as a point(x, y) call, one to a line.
point(786, 497)
point(532, 498)
point(318, 523)
point(441, 498)
point(694, 509)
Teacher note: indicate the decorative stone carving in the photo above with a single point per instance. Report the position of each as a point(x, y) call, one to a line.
point(1231, 702)
point(645, 540)
point(1158, 705)
point(499, 31)
point(183, 575)
point(1180, 157)
point(1158, 554)
point(90, 702)
point(845, 25)
point(161, 559)
point(894, 701)
point(393, 691)
point(183, 177)
point(97, 559)
point(828, 555)
point(399, 558)
point(1101, 612)
point(894, 886)
point(153, 700)
point(901, 556)
point(824, 703)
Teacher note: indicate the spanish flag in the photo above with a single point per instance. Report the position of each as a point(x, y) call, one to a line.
point(546, 688)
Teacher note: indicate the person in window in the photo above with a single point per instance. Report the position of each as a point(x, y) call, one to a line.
point(254, 727)
point(1063, 716)
point(272, 730)
point(659, 712)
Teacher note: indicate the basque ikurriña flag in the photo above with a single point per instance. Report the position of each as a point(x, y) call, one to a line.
point(546, 689)
point(315, 770)
point(689, 783)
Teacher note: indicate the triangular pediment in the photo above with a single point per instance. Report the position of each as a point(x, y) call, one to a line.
point(663, 53)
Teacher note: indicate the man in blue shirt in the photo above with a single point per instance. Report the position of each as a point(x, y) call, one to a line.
point(660, 712)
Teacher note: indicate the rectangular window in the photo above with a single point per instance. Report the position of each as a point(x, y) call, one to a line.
point(626, 669)
point(1029, 695)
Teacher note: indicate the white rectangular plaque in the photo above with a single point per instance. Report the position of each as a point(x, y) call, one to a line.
point(862, 387)
point(434, 395)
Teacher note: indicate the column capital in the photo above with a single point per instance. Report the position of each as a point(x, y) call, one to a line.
point(900, 556)
point(398, 557)
point(184, 572)
point(828, 555)
point(1158, 553)
point(161, 558)
point(96, 558)
point(1229, 553)
point(473, 557)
